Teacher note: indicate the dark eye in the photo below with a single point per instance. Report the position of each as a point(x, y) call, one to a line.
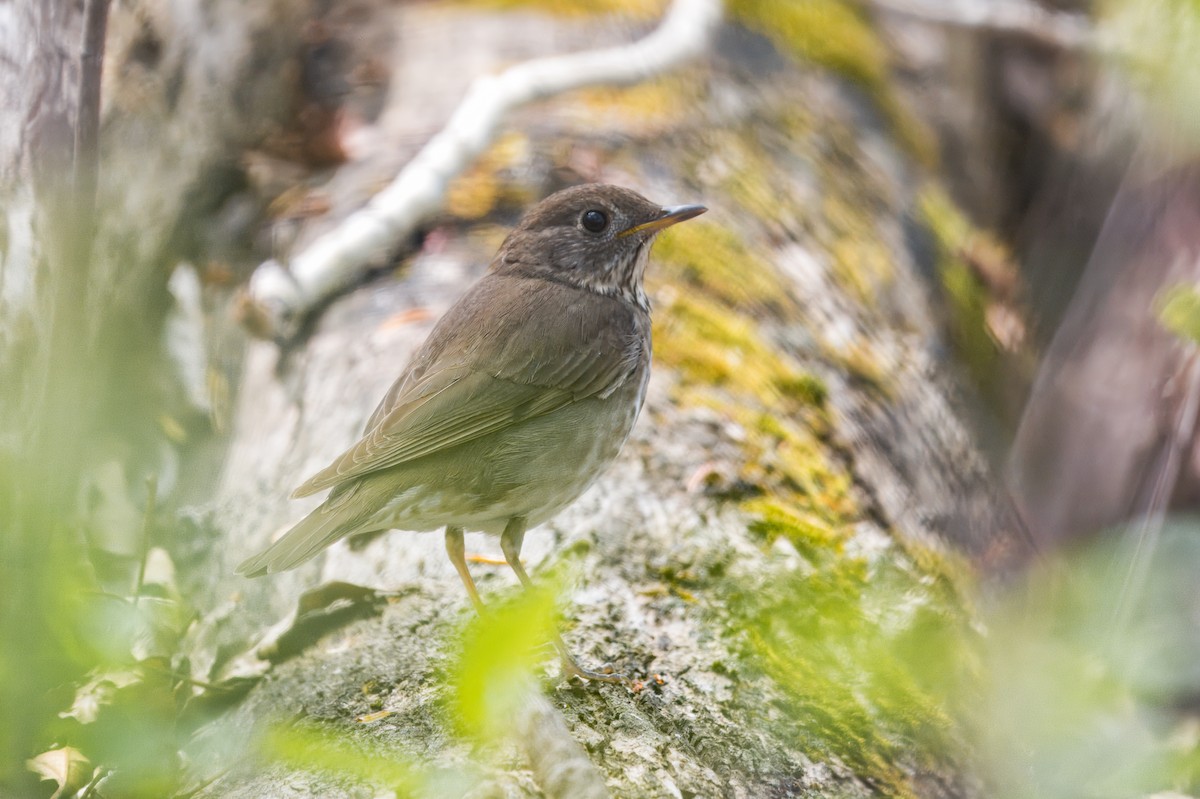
point(594, 220)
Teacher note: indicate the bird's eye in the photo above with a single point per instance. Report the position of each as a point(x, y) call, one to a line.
point(594, 221)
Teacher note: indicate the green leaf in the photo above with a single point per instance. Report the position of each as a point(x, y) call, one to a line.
point(500, 649)
point(1179, 311)
point(332, 753)
point(67, 767)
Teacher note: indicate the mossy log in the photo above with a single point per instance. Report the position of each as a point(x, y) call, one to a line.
point(787, 542)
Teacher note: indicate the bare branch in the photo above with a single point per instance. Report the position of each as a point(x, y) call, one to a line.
point(87, 126)
point(339, 258)
point(560, 765)
point(1022, 18)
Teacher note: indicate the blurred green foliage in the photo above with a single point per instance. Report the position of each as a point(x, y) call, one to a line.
point(1092, 669)
point(329, 752)
point(89, 668)
point(500, 649)
point(87, 662)
point(872, 657)
point(837, 35)
point(1155, 43)
point(489, 684)
point(1179, 312)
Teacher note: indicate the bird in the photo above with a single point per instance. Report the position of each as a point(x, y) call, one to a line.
point(522, 395)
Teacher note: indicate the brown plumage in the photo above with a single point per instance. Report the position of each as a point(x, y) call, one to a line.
point(521, 396)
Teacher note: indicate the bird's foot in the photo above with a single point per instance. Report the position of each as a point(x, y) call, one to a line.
point(572, 669)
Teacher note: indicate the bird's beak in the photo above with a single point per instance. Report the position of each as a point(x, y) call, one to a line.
point(670, 216)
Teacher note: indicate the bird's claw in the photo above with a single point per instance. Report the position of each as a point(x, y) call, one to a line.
point(573, 669)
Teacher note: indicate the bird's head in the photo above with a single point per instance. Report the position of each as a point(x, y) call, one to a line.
point(594, 236)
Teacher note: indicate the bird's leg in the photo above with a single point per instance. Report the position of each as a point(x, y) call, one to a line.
point(457, 552)
point(510, 542)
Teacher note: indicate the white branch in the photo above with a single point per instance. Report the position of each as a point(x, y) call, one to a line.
point(338, 258)
point(1007, 17)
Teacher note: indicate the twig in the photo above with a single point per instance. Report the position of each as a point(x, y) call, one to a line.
point(560, 765)
point(1021, 18)
point(1148, 529)
point(147, 524)
point(73, 226)
point(87, 125)
point(284, 295)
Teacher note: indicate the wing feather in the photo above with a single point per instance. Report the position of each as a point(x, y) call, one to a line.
point(455, 391)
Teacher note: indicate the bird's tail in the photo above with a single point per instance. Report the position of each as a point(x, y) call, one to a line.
point(344, 512)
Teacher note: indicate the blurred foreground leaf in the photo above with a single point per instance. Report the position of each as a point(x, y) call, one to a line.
point(1179, 311)
point(1156, 42)
point(66, 767)
point(1094, 668)
point(499, 651)
point(871, 658)
point(331, 753)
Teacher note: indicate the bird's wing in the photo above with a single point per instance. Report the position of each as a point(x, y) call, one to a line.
point(441, 404)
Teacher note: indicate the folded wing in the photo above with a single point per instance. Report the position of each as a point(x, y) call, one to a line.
point(455, 393)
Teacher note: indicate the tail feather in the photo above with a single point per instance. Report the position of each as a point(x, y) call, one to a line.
point(345, 511)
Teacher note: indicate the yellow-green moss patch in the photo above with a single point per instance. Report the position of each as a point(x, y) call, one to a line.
point(712, 290)
point(837, 36)
point(478, 191)
point(867, 660)
point(713, 258)
point(812, 535)
point(1179, 311)
point(713, 346)
point(746, 168)
point(643, 109)
point(965, 293)
point(860, 262)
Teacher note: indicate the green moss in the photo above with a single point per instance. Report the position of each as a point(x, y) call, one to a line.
point(785, 457)
point(750, 177)
point(965, 293)
point(867, 657)
point(643, 109)
point(1179, 311)
point(709, 345)
point(803, 387)
point(944, 571)
point(708, 329)
point(859, 362)
point(860, 262)
point(716, 288)
point(829, 33)
point(837, 36)
point(812, 536)
point(487, 184)
point(713, 258)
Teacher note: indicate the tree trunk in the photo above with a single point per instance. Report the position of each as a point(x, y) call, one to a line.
point(786, 526)
point(801, 417)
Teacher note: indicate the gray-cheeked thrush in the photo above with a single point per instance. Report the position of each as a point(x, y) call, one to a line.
point(522, 395)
